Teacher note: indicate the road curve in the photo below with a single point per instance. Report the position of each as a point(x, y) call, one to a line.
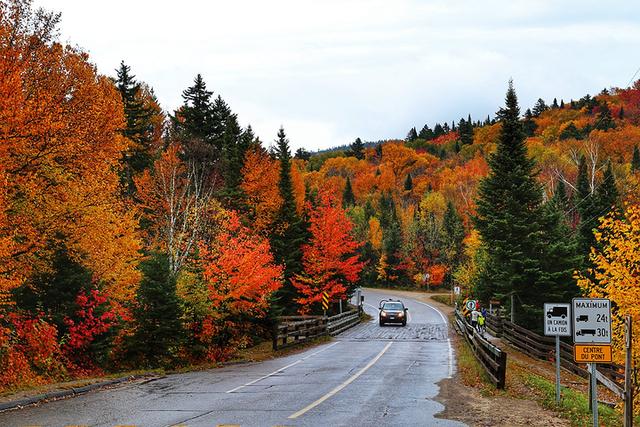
point(368, 376)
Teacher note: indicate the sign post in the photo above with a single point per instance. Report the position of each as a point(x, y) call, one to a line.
point(557, 323)
point(592, 339)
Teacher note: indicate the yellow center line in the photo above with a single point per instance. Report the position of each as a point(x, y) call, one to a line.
point(341, 386)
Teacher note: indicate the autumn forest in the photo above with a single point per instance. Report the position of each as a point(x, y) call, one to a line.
point(134, 237)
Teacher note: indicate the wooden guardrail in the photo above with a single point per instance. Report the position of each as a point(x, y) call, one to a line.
point(492, 359)
point(543, 347)
point(293, 330)
point(341, 322)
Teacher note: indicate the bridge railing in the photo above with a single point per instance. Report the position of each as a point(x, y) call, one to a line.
point(492, 359)
point(293, 330)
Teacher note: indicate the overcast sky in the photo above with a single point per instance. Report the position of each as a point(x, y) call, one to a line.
point(332, 70)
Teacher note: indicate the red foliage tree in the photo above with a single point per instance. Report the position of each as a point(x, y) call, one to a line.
point(330, 259)
point(240, 273)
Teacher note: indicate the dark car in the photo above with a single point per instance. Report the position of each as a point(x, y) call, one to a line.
point(392, 311)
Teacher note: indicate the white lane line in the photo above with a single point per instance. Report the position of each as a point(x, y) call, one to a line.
point(450, 358)
point(444, 319)
point(282, 369)
point(341, 386)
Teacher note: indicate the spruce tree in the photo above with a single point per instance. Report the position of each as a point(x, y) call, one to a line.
point(562, 103)
point(586, 208)
point(607, 193)
point(438, 130)
point(508, 219)
point(289, 230)
point(159, 331)
point(426, 133)
point(539, 108)
point(635, 161)
point(605, 121)
point(139, 126)
point(357, 149)
point(194, 120)
point(555, 104)
point(302, 154)
point(528, 124)
point(348, 199)
point(465, 131)
point(412, 135)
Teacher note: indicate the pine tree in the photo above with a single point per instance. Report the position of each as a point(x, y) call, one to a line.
point(560, 197)
point(426, 133)
point(555, 104)
point(412, 135)
point(139, 128)
point(159, 331)
point(508, 219)
point(408, 183)
point(465, 131)
point(357, 149)
point(539, 108)
point(302, 154)
point(586, 208)
point(570, 131)
point(528, 124)
point(348, 199)
point(562, 103)
point(607, 193)
point(605, 121)
point(635, 162)
point(289, 229)
point(194, 120)
point(438, 130)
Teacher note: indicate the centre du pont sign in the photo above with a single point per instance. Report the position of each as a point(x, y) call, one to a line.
point(557, 319)
point(592, 330)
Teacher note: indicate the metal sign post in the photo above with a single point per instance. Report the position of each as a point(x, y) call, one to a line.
point(557, 323)
point(592, 339)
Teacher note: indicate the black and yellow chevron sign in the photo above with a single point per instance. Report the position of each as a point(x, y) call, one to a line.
point(325, 300)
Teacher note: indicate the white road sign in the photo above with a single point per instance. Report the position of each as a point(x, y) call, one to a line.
point(591, 321)
point(557, 319)
point(456, 290)
point(471, 304)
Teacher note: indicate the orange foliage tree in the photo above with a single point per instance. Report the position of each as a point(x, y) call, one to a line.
point(330, 260)
point(260, 184)
point(240, 274)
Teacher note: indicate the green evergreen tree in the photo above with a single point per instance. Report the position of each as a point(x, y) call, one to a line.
point(408, 183)
point(465, 131)
point(438, 130)
point(562, 103)
point(302, 154)
point(348, 199)
point(412, 135)
point(635, 161)
point(607, 193)
point(159, 331)
point(560, 197)
point(194, 120)
point(508, 219)
point(605, 121)
point(357, 149)
point(426, 133)
point(139, 127)
point(290, 231)
point(528, 124)
point(539, 108)
point(555, 104)
point(570, 131)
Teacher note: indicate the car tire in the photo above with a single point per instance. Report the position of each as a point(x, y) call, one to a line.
point(404, 323)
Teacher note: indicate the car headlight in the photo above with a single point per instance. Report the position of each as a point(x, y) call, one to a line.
point(400, 314)
point(383, 313)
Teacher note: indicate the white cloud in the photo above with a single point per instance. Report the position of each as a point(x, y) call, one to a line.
point(333, 70)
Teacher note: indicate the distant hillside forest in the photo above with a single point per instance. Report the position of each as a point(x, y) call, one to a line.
point(134, 237)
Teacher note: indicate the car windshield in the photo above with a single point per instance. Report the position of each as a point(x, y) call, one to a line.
point(392, 306)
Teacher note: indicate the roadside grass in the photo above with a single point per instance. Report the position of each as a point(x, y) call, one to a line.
point(442, 299)
point(573, 405)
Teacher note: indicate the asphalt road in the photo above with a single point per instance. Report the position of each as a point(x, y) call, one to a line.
point(367, 376)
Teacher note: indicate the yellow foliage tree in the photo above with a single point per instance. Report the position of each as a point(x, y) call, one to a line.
point(616, 270)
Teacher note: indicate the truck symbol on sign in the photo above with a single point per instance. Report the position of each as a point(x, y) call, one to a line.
point(557, 312)
point(582, 318)
point(584, 332)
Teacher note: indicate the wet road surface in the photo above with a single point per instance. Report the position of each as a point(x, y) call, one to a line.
point(367, 376)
